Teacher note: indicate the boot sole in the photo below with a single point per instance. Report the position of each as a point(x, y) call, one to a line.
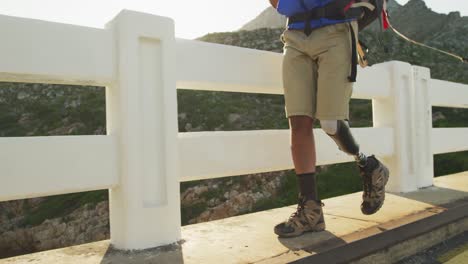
point(317, 228)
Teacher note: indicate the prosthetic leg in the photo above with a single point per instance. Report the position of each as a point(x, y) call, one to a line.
point(374, 174)
point(339, 131)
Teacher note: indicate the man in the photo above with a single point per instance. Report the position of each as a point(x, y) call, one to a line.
point(318, 78)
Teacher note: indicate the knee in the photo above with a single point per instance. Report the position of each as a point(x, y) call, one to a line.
point(339, 131)
point(301, 126)
point(329, 126)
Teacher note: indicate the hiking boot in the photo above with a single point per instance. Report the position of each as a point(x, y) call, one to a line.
point(374, 177)
point(307, 218)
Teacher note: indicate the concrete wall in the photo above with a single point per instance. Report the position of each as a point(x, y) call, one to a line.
point(142, 159)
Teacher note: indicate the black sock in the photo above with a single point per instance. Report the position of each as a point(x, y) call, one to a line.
point(308, 185)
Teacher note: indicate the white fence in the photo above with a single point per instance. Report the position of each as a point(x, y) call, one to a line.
point(142, 159)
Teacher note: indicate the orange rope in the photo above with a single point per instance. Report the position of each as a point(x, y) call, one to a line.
point(426, 46)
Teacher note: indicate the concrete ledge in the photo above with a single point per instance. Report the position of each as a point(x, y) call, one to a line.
point(416, 236)
point(417, 244)
point(249, 238)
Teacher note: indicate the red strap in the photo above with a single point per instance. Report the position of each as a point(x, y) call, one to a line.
point(386, 23)
point(347, 7)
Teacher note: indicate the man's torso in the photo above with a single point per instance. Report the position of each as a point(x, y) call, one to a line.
point(293, 7)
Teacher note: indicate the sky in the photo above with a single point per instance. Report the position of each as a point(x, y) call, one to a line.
point(193, 18)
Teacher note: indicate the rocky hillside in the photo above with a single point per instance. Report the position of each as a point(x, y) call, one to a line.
point(269, 18)
point(448, 32)
point(42, 110)
point(84, 224)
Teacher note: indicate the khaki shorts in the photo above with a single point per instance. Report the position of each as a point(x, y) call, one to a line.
point(316, 70)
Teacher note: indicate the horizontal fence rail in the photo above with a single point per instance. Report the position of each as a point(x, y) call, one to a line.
point(446, 140)
point(205, 155)
point(448, 94)
point(47, 52)
point(38, 166)
point(454, 95)
point(215, 67)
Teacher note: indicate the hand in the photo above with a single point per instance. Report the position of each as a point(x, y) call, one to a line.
point(274, 3)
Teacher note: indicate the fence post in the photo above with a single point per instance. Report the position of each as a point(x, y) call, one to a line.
point(423, 127)
point(397, 111)
point(142, 115)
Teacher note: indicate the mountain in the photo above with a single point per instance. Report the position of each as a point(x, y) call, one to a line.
point(448, 32)
point(415, 19)
point(269, 18)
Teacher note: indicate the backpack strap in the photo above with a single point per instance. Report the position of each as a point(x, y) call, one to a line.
point(337, 10)
point(354, 59)
point(307, 19)
point(369, 6)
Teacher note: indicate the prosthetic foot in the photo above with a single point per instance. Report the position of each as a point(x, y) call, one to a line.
point(374, 177)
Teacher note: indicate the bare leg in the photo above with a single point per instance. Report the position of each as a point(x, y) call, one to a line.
point(309, 214)
point(302, 144)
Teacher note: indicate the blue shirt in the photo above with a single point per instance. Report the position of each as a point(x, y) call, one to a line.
point(292, 7)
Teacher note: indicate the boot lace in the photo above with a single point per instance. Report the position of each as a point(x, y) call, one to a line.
point(300, 208)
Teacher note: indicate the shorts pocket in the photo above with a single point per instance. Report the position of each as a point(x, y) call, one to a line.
point(337, 28)
point(292, 39)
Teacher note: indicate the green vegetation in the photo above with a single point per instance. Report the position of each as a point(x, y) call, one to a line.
point(333, 180)
point(43, 110)
point(190, 212)
point(450, 163)
point(450, 117)
point(210, 111)
point(61, 205)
